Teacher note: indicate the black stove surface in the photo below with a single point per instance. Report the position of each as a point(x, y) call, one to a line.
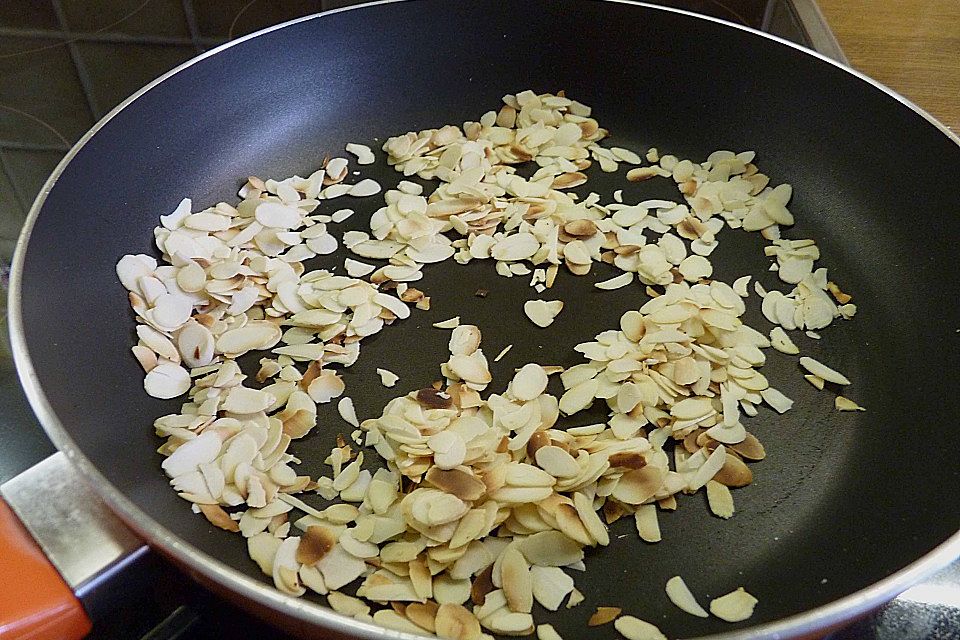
point(63, 65)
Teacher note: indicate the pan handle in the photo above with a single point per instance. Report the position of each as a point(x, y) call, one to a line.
point(35, 602)
point(65, 559)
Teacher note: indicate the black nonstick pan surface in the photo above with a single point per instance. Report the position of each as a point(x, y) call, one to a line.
point(842, 502)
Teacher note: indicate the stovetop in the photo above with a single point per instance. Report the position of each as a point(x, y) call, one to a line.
point(65, 63)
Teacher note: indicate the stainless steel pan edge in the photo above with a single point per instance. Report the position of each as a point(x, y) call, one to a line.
point(208, 568)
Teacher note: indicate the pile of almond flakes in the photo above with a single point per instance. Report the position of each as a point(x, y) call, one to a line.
point(480, 503)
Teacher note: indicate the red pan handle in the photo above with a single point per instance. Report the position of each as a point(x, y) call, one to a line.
point(35, 602)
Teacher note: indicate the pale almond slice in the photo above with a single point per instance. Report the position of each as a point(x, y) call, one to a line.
point(325, 387)
point(782, 342)
point(720, 500)
point(387, 378)
point(575, 598)
point(551, 549)
point(243, 400)
point(364, 188)
point(647, 523)
point(591, 521)
point(736, 606)
point(633, 628)
point(542, 312)
point(392, 620)
point(364, 154)
point(616, 282)
point(550, 586)
point(452, 323)
point(510, 623)
point(547, 632)
point(503, 352)
point(557, 462)
point(357, 269)
point(775, 399)
point(340, 215)
point(262, 549)
point(166, 380)
point(823, 371)
point(680, 595)
point(347, 605)
point(347, 411)
point(529, 382)
point(740, 286)
point(846, 404)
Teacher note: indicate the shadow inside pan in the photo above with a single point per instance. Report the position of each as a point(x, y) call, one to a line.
point(841, 501)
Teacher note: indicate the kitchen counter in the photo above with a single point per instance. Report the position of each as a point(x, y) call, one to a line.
point(912, 46)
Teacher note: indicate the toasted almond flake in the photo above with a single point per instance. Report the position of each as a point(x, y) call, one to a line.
point(347, 411)
point(636, 629)
point(846, 404)
point(364, 154)
point(423, 615)
point(387, 378)
point(452, 323)
point(456, 622)
point(603, 615)
point(616, 282)
point(823, 371)
point(218, 517)
point(315, 544)
point(736, 606)
point(515, 580)
point(680, 595)
point(542, 312)
point(639, 174)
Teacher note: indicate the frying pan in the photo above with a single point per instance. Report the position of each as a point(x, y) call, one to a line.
point(846, 510)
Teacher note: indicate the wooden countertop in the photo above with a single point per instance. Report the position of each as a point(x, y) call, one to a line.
point(912, 46)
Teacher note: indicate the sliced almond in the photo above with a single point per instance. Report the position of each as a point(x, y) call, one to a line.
point(542, 312)
point(636, 629)
point(218, 517)
point(846, 404)
point(603, 615)
point(736, 606)
point(823, 371)
point(315, 544)
point(680, 595)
